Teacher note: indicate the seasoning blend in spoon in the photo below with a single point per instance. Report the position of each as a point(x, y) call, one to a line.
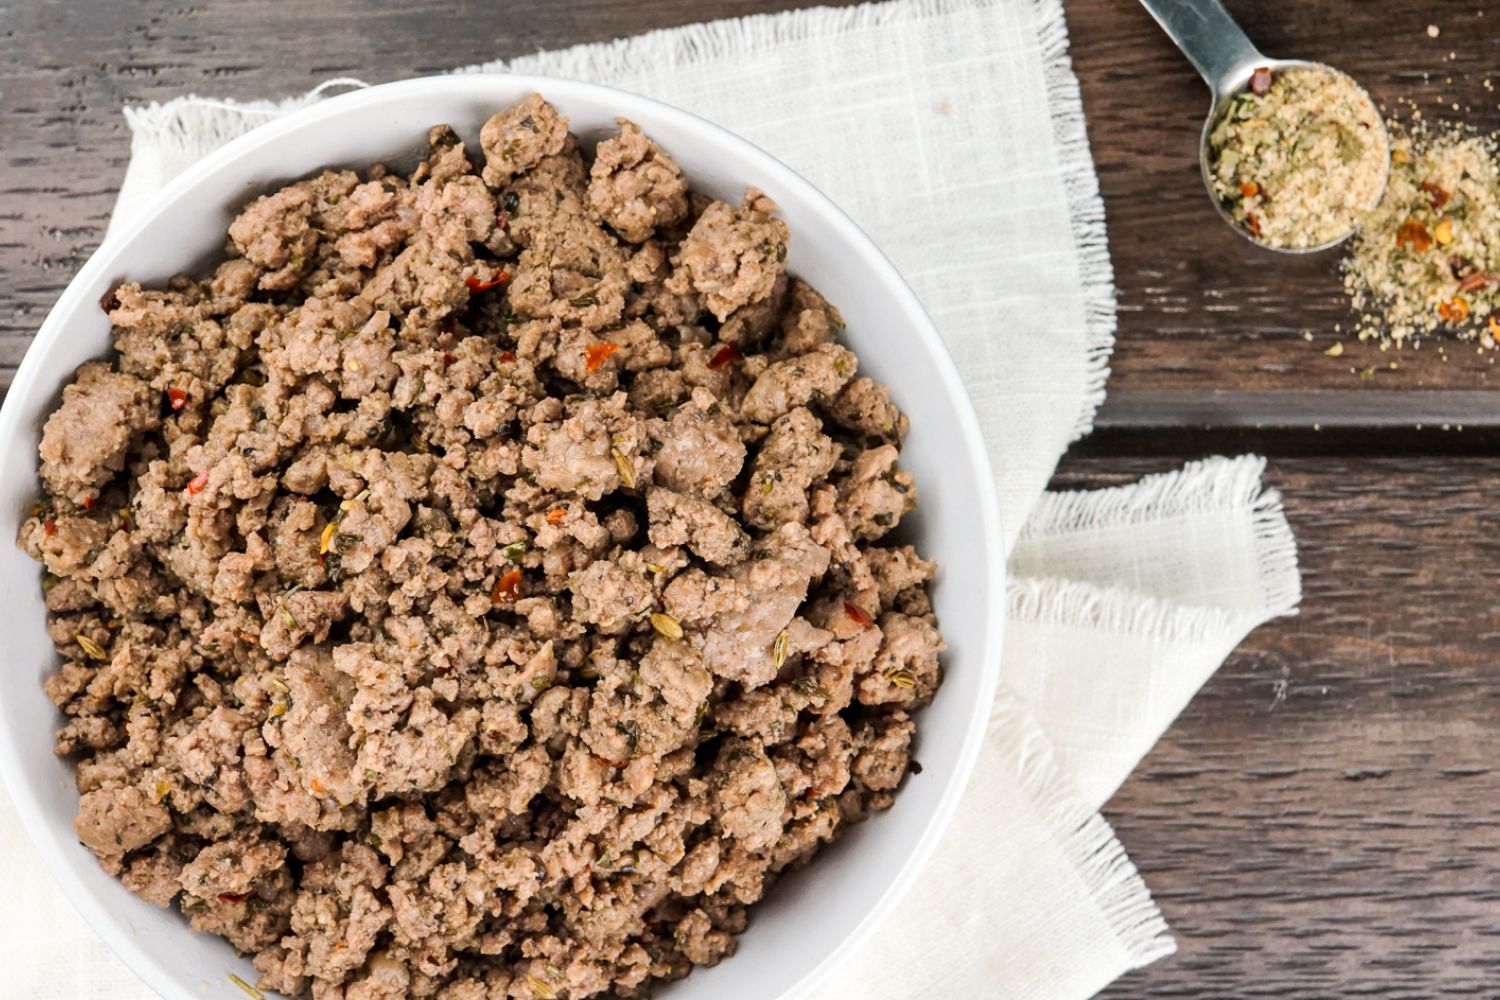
point(1294, 153)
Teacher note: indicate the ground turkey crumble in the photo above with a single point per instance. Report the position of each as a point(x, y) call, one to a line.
point(480, 585)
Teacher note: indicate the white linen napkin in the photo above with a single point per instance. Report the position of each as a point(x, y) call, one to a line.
point(952, 131)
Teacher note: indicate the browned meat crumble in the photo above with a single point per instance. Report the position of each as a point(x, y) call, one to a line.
point(479, 585)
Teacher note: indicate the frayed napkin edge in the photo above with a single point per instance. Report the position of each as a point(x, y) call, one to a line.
point(1084, 836)
point(1211, 486)
point(1085, 208)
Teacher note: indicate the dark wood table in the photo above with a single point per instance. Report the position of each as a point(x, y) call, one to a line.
point(1324, 819)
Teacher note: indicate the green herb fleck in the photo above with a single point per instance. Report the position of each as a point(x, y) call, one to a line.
point(778, 649)
point(250, 991)
point(901, 678)
point(632, 732)
point(810, 688)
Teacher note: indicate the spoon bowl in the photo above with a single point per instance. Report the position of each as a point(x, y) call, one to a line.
point(1227, 60)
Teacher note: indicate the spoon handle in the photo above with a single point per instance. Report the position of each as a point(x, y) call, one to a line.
point(1208, 36)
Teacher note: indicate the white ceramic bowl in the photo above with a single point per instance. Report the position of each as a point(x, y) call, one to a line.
point(813, 918)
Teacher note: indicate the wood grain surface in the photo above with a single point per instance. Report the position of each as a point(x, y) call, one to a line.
point(1324, 820)
point(1201, 308)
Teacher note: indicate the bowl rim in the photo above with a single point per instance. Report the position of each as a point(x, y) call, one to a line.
point(154, 972)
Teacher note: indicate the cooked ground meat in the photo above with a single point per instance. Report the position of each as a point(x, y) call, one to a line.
point(476, 586)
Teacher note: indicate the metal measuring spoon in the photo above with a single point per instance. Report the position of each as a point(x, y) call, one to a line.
point(1226, 59)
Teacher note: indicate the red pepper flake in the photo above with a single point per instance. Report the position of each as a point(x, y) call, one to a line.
point(860, 615)
point(88, 503)
point(595, 357)
point(1455, 311)
point(1260, 80)
point(1439, 197)
point(508, 590)
point(448, 359)
point(725, 355)
point(477, 285)
point(233, 897)
point(196, 484)
point(49, 527)
point(1254, 224)
point(317, 787)
point(1249, 189)
point(507, 357)
point(176, 398)
point(1413, 233)
point(556, 514)
point(618, 765)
